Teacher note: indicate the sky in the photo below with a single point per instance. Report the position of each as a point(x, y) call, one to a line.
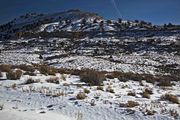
point(155, 11)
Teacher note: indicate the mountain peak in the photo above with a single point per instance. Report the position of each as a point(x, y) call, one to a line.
point(73, 20)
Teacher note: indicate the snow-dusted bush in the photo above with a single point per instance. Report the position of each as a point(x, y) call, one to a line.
point(46, 70)
point(110, 89)
point(170, 97)
point(132, 104)
point(30, 81)
point(53, 80)
point(81, 95)
point(174, 113)
point(131, 93)
point(1, 106)
point(100, 88)
point(92, 77)
point(14, 75)
point(63, 77)
point(150, 112)
point(13, 86)
point(129, 104)
point(145, 94)
point(86, 91)
point(149, 91)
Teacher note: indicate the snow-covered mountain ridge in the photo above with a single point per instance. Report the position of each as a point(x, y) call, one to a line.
point(72, 21)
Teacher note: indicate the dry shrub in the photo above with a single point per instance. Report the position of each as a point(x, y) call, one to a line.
point(63, 77)
point(27, 68)
point(145, 94)
point(150, 112)
point(164, 83)
point(109, 89)
point(13, 86)
point(81, 96)
point(110, 76)
point(163, 80)
point(30, 81)
point(170, 97)
point(86, 91)
point(149, 91)
point(121, 76)
point(130, 76)
point(14, 75)
point(79, 85)
point(174, 113)
point(141, 83)
point(131, 104)
point(46, 70)
point(53, 80)
point(5, 68)
point(1, 106)
point(92, 77)
point(30, 73)
point(131, 93)
point(100, 88)
point(1, 74)
point(66, 84)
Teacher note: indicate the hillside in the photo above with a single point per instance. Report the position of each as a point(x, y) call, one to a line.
point(72, 21)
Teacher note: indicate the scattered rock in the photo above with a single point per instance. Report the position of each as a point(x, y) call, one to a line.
point(51, 109)
point(49, 106)
point(72, 98)
point(42, 112)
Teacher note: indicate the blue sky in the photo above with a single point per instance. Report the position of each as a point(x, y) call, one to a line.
point(155, 11)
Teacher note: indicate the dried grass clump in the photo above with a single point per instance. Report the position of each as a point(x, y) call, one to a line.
point(126, 76)
point(1, 106)
point(174, 113)
point(86, 91)
point(150, 112)
point(63, 77)
point(81, 96)
point(14, 75)
point(145, 94)
point(53, 80)
point(1, 74)
point(132, 104)
point(109, 89)
point(13, 86)
point(92, 77)
point(149, 91)
point(46, 70)
point(170, 97)
point(30, 73)
point(27, 68)
point(5, 68)
point(30, 81)
point(165, 83)
point(131, 93)
point(100, 88)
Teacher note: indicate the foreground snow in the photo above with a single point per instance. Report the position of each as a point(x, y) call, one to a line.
point(36, 101)
point(23, 114)
point(36, 104)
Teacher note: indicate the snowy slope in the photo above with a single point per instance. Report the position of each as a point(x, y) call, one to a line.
point(72, 20)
